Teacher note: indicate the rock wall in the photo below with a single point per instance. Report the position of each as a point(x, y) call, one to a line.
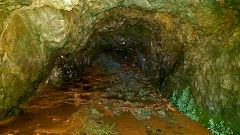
point(207, 32)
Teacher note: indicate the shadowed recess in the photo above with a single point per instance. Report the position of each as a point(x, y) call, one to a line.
point(188, 49)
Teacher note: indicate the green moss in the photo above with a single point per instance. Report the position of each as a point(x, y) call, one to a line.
point(174, 98)
point(220, 128)
point(182, 102)
point(218, 124)
point(191, 110)
point(185, 103)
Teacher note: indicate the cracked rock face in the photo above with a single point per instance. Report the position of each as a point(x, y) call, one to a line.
point(204, 34)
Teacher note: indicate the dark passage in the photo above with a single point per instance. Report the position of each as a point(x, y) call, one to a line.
point(112, 97)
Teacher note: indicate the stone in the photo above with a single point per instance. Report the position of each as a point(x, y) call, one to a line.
point(185, 43)
point(141, 114)
point(107, 64)
point(142, 61)
point(162, 114)
point(93, 128)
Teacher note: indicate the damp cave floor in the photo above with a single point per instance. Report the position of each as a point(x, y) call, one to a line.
point(122, 103)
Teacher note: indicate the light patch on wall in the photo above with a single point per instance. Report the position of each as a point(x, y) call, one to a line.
point(59, 4)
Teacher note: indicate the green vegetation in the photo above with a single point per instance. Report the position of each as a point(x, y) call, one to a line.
point(174, 98)
point(191, 110)
point(220, 128)
point(185, 103)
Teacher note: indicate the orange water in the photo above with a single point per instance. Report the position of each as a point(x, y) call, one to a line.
point(64, 110)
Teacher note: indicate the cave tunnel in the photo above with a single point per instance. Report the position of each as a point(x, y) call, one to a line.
point(146, 67)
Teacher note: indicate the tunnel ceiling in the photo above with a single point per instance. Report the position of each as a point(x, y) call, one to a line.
point(148, 35)
point(204, 34)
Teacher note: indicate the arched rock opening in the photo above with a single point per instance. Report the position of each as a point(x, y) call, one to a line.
point(145, 38)
point(192, 44)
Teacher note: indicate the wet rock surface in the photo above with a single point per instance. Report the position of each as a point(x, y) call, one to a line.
point(120, 103)
point(106, 63)
point(192, 43)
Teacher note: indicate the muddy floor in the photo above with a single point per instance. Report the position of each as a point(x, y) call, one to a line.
point(120, 103)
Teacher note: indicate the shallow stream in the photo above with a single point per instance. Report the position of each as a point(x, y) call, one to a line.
point(121, 103)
